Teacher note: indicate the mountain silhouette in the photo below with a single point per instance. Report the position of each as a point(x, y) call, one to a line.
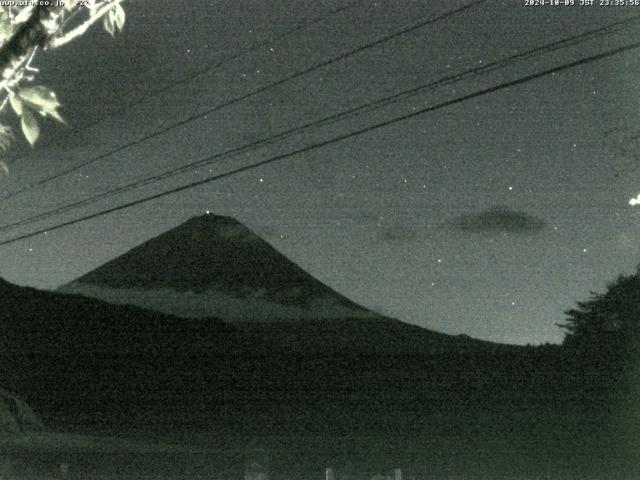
point(215, 266)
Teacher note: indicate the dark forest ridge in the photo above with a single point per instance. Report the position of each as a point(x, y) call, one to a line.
point(52, 323)
point(69, 355)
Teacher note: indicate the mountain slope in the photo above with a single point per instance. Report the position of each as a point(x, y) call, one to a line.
point(214, 266)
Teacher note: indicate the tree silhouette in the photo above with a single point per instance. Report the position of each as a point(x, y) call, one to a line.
point(607, 323)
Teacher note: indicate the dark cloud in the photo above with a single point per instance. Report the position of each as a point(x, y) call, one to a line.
point(396, 233)
point(499, 220)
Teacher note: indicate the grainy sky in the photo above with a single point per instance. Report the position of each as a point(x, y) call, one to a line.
point(489, 217)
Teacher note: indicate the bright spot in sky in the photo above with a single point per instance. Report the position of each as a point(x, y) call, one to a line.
point(635, 201)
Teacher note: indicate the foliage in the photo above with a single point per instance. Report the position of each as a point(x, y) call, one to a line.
point(57, 23)
point(607, 323)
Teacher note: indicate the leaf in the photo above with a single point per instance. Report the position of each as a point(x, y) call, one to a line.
point(23, 15)
point(40, 98)
point(6, 137)
point(6, 28)
point(119, 16)
point(30, 127)
point(109, 24)
point(16, 104)
point(56, 115)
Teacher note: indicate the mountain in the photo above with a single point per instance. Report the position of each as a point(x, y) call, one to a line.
point(215, 266)
point(84, 361)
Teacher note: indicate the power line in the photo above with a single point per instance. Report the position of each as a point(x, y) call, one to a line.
point(571, 41)
point(564, 43)
point(478, 93)
point(257, 91)
point(195, 74)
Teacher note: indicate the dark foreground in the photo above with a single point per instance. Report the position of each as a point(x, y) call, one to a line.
point(529, 414)
point(360, 396)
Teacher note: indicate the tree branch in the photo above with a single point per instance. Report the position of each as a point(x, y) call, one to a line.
point(82, 28)
point(33, 33)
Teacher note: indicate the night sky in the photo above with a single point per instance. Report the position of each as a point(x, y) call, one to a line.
point(490, 217)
